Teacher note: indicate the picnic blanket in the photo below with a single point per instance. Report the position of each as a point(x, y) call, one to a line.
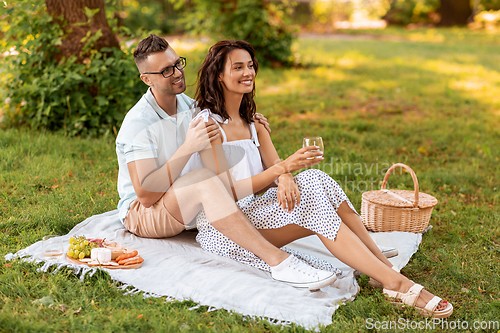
point(177, 267)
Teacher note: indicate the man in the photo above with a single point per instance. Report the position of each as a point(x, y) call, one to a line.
point(158, 195)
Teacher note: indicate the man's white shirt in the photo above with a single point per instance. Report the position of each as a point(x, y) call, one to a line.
point(149, 132)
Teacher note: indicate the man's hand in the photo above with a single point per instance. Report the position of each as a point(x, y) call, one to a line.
point(263, 120)
point(199, 135)
point(288, 192)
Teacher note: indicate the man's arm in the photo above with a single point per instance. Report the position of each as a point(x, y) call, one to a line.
point(151, 181)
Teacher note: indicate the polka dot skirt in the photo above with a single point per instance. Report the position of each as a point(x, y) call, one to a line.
point(320, 197)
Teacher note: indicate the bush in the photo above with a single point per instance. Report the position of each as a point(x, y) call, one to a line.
point(263, 24)
point(413, 11)
point(488, 19)
point(328, 12)
point(148, 15)
point(487, 5)
point(79, 98)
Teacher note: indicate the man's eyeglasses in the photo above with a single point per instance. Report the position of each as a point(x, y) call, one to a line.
point(170, 70)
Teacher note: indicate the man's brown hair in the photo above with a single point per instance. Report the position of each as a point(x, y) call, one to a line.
point(149, 45)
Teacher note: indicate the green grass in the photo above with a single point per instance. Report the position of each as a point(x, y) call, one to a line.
point(430, 102)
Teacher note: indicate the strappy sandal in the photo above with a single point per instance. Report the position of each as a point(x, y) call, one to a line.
point(374, 283)
point(411, 296)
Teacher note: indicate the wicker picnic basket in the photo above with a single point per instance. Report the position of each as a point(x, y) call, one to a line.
point(397, 210)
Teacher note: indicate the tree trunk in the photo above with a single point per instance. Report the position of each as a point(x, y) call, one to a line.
point(73, 11)
point(454, 12)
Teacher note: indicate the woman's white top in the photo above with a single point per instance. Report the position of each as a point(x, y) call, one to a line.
point(242, 155)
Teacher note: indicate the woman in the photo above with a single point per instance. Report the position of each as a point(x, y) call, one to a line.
point(309, 204)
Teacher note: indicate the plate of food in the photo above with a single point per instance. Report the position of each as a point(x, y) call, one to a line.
point(96, 252)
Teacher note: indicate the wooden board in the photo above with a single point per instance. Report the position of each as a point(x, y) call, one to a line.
point(78, 262)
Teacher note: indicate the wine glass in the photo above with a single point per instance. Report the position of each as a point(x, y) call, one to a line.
point(314, 141)
point(52, 246)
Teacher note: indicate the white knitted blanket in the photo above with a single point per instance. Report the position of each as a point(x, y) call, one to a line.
point(177, 267)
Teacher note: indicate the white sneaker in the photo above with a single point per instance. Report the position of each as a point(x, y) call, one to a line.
point(297, 273)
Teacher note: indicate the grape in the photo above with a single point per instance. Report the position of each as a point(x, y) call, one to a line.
point(80, 247)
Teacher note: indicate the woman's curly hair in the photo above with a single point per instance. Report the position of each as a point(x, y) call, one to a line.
point(209, 93)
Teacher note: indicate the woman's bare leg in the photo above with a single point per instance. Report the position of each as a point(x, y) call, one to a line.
point(347, 243)
point(202, 189)
point(353, 221)
point(351, 250)
point(291, 232)
point(281, 236)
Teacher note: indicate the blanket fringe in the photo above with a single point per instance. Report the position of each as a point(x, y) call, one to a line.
point(90, 271)
point(77, 270)
point(211, 308)
point(123, 286)
point(86, 270)
point(148, 294)
point(277, 322)
point(133, 291)
point(273, 321)
point(171, 299)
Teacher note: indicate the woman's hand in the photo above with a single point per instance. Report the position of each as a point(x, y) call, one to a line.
point(303, 158)
point(288, 192)
point(199, 135)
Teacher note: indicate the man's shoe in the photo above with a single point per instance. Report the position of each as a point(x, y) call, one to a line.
point(389, 252)
point(297, 273)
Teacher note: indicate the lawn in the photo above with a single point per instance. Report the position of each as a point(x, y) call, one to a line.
point(427, 98)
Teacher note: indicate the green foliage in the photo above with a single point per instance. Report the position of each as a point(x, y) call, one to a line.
point(80, 98)
point(265, 25)
point(149, 15)
point(488, 18)
point(327, 12)
point(413, 11)
point(489, 5)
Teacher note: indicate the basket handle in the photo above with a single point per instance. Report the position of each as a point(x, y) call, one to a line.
point(413, 176)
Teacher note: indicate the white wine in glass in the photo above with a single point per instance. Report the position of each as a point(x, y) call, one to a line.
point(314, 141)
point(52, 247)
